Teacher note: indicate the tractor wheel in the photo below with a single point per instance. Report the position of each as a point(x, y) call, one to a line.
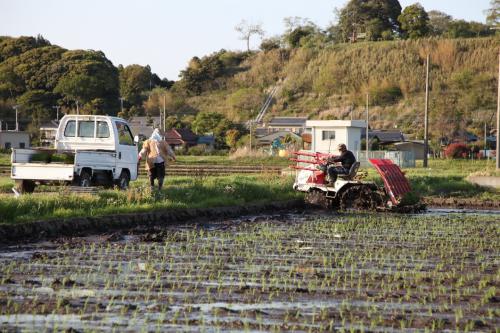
point(318, 198)
point(360, 197)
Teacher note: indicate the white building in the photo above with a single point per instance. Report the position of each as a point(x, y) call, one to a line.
point(14, 139)
point(326, 135)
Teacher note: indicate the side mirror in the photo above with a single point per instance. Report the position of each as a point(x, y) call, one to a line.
point(136, 139)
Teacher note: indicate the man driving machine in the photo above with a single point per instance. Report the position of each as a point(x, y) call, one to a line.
point(346, 160)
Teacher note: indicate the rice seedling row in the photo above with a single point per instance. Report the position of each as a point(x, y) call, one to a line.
point(295, 272)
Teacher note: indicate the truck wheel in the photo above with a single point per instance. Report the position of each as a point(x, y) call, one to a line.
point(85, 179)
point(123, 180)
point(26, 186)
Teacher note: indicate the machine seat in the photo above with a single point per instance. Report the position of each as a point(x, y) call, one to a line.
point(352, 172)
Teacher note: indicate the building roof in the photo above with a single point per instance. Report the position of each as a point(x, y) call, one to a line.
point(287, 122)
point(268, 139)
point(336, 123)
point(142, 130)
point(260, 131)
point(51, 125)
point(384, 136)
point(143, 121)
point(180, 136)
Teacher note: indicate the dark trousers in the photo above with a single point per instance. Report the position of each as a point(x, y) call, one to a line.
point(158, 172)
point(334, 170)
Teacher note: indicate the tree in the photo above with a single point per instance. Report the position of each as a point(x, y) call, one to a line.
point(10, 47)
point(201, 74)
point(464, 29)
point(414, 21)
point(270, 44)
point(493, 14)
point(134, 81)
point(87, 76)
point(247, 30)
point(232, 136)
point(371, 16)
point(206, 122)
point(439, 22)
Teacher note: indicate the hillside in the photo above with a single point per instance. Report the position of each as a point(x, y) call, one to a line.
point(328, 83)
point(324, 81)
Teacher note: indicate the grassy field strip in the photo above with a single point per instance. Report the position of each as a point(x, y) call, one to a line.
point(300, 273)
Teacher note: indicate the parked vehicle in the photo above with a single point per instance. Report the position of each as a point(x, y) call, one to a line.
point(89, 150)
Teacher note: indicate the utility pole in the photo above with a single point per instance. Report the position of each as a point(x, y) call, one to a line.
point(76, 122)
point(17, 123)
point(251, 125)
point(121, 104)
point(426, 117)
point(367, 123)
point(498, 116)
point(57, 107)
point(164, 113)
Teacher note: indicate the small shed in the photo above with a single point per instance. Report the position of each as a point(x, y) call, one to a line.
point(326, 135)
point(416, 147)
point(14, 139)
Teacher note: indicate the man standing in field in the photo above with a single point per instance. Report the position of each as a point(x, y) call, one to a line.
point(157, 152)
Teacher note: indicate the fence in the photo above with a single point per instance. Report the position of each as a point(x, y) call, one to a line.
point(404, 159)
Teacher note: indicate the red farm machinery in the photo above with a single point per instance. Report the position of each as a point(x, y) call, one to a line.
point(350, 191)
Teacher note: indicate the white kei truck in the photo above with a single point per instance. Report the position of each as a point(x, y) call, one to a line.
point(88, 151)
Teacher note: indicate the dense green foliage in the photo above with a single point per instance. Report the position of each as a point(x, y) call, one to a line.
point(414, 21)
point(374, 17)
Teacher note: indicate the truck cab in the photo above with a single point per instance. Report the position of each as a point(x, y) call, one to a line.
point(101, 151)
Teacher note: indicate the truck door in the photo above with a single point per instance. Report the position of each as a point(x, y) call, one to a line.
point(126, 152)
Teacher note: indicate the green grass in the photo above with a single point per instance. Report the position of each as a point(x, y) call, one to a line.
point(6, 184)
point(224, 160)
point(447, 178)
point(4, 159)
point(179, 192)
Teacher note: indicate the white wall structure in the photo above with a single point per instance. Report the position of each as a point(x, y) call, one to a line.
point(14, 139)
point(328, 134)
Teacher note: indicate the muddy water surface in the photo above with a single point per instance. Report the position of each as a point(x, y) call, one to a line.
point(313, 271)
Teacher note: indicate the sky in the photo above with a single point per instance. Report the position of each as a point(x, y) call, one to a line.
point(166, 34)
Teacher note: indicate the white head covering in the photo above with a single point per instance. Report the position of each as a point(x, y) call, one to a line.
point(156, 135)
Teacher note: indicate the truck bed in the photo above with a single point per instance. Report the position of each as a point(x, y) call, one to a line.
point(42, 171)
point(24, 168)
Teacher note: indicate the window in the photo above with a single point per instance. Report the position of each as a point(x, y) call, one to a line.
point(22, 145)
point(70, 128)
point(102, 129)
point(124, 135)
point(86, 129)
point(8, 145)
point(328, 135)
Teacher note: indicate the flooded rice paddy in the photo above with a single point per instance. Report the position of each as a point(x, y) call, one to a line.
point(308, 272)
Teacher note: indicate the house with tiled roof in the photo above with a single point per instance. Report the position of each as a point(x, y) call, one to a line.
point(182, 137)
